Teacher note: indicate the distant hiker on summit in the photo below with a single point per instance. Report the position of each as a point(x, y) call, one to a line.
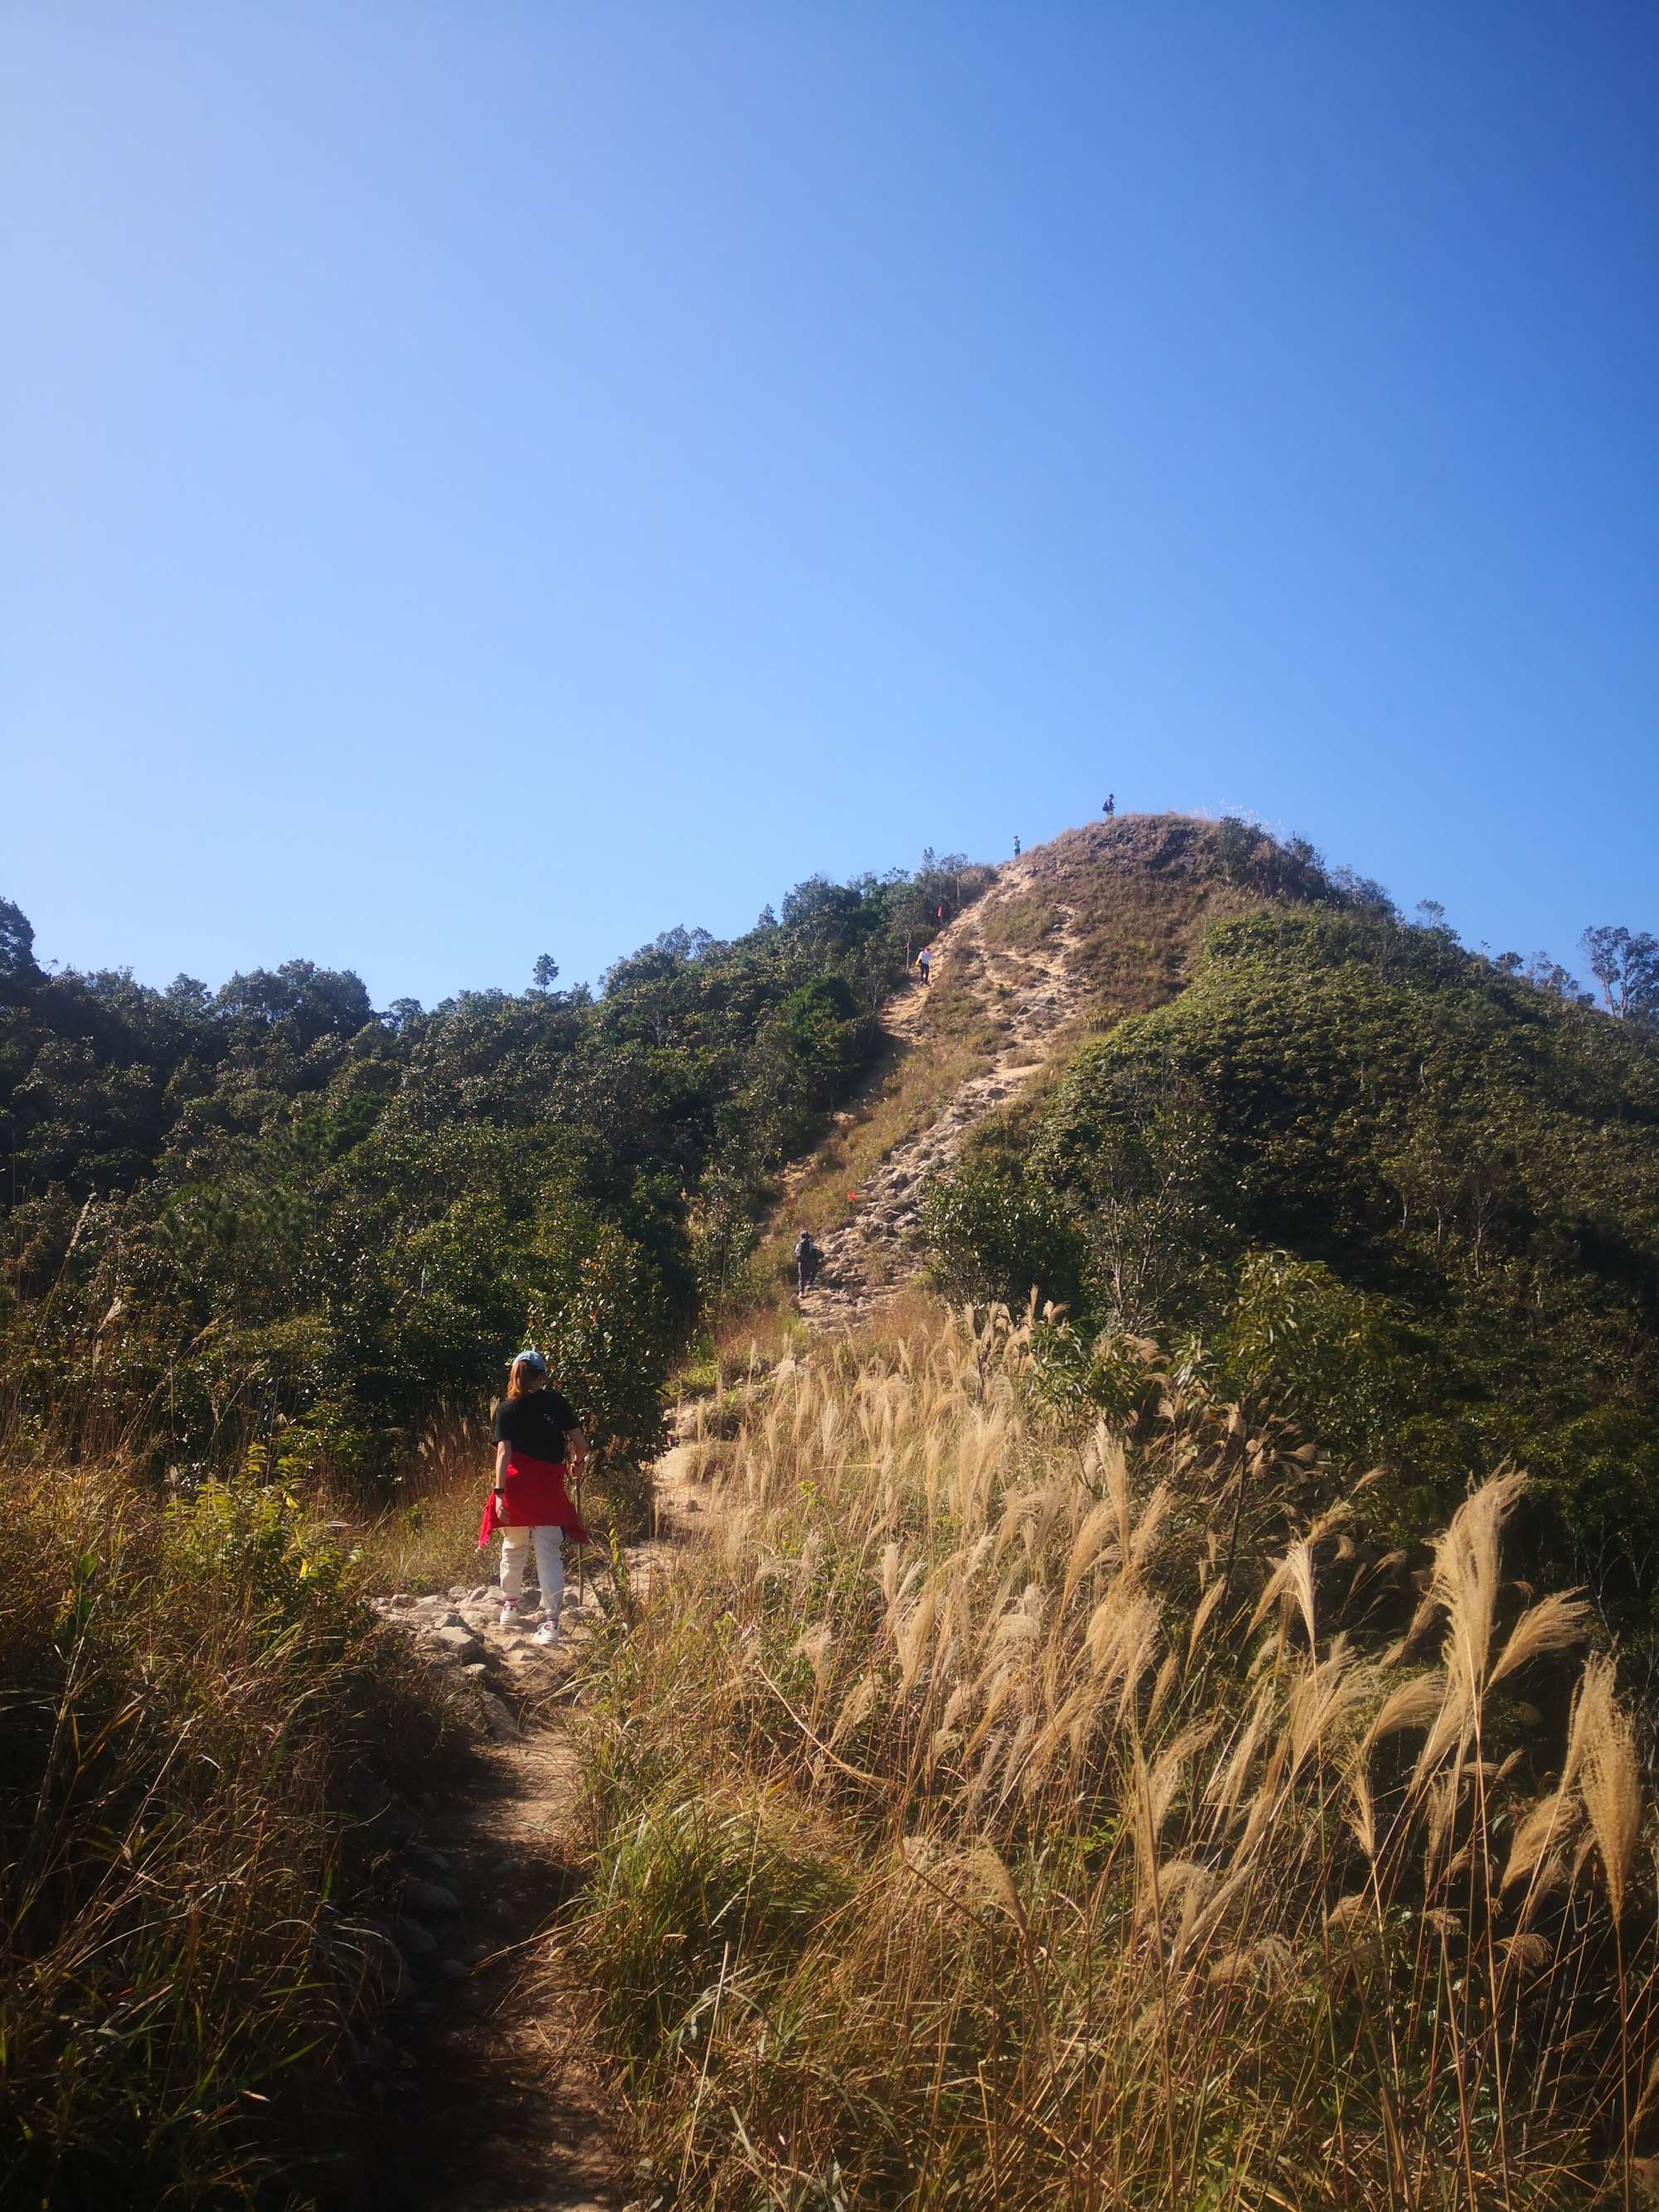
point(1017, 848)
point(1111, 807)
point(808, 1259)
point(924, 962)
point(537, 1437)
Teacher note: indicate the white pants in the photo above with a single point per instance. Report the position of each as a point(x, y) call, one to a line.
point(550, 1563)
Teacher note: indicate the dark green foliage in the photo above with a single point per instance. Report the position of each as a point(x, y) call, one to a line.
point(1142, 1183)
point(269, 1214)
point(1289, 868)
point(17, 969)
point(1627, 967)
point(1390, 1188)
point(997, 1232)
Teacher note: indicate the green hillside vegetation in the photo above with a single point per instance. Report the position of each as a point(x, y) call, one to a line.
point(272, 1215)
point(1124, 905)
point(1395, 1190)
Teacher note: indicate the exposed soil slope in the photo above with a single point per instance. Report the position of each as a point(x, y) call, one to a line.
point(1100, 923)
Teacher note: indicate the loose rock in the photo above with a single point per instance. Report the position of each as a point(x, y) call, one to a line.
point(497, 1719)
point(429, 1897)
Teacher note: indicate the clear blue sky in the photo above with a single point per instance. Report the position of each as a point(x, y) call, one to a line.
point(488, 478)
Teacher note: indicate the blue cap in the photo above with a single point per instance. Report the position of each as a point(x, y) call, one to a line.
point(530, 1357)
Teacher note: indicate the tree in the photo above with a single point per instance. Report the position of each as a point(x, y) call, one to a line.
point(1545, 974)
point(546, 973)
point(996, 1232)
point(1627, 969)
point(318, 1001)
point(18, 970)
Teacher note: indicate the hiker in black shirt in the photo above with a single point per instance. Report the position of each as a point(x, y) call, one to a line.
point(538, 1437)
point(536, 1426)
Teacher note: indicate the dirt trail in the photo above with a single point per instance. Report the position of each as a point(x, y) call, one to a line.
point(493, 2100)
point(1033, 989)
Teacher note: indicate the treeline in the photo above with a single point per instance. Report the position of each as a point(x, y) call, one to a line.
point(271, 1214)
point(1401, 1193)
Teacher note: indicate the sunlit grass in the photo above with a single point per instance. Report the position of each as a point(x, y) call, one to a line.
point(997, 1816)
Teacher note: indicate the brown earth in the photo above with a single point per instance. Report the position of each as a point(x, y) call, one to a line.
point(493, 2099)
point(1099, 923)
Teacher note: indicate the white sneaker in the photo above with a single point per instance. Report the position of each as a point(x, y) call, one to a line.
point(511, 1616)
point(547, 1633)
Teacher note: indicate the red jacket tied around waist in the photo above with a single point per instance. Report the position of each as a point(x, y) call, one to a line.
point(535, 1497)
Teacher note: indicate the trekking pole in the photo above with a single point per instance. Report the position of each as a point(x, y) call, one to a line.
point(582, 1549)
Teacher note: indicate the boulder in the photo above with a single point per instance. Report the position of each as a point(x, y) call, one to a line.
point(498, 1719)
point(430, 1898)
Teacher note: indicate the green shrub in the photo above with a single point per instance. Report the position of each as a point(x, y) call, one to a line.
point(997, 1233)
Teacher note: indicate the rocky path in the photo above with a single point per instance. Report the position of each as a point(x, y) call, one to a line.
point(489, 2105)
point(492, 2101)
point(1033, 992)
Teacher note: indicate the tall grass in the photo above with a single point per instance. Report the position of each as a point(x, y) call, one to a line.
point(424, 1536)
point(199, 1722)
point(422, 1533)
point(996, 1817)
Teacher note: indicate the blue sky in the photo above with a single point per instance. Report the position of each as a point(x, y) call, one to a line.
point(491, 478)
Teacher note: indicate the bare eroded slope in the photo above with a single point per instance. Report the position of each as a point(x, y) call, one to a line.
point(1100, 923)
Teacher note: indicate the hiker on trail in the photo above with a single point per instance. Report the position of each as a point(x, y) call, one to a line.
point(538, 1436)
point(808, 1259)
point(924, 962)
point(1111, 807)
point(1017, 848)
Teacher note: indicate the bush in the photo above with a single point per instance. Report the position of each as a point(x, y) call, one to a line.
point(199, 1717)
point(996, 1233)
point(823, 1032)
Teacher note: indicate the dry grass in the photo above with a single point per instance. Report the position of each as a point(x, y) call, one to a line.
point(427, 1538)
point(201, 1723)
point(1139, 891)
point(997, 1818)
